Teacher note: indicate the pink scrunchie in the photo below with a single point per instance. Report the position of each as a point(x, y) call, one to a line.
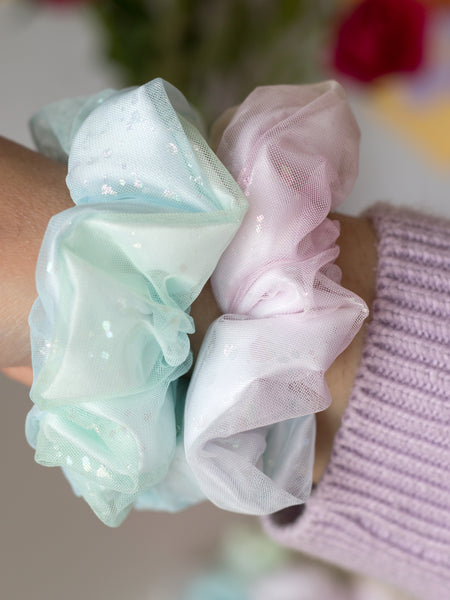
point(259, 379)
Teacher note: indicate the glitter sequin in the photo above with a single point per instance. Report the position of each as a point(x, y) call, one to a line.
point(259, 220)
point(107, 190)
point(107, 329)
point(102, 472)
point(86, 462)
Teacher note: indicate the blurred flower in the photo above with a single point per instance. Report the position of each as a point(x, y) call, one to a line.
point(379, 37)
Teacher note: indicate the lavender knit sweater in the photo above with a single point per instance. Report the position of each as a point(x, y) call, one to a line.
point(383, 505)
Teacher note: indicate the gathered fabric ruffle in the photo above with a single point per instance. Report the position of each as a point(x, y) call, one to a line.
point(157, 213)
point(116, 276)
point(259, 378)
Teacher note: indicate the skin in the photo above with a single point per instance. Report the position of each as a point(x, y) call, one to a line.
point(33, 190)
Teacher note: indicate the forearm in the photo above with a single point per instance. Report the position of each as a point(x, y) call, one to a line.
point(358, 262)
point(33, 190)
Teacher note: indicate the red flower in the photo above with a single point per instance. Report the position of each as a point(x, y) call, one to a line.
point(380, 37)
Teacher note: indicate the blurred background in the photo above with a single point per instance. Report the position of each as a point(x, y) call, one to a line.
point(393, 57)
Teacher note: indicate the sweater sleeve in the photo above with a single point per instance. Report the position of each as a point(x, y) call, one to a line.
point(382, 507)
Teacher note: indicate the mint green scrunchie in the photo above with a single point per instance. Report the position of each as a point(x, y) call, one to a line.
point(116, 276)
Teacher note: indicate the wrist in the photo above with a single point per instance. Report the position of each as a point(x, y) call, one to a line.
point(35, 190)
point(358, 261)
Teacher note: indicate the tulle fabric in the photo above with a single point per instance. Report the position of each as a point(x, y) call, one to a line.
point(259, 379)
point(156, 210)
point(116, 276)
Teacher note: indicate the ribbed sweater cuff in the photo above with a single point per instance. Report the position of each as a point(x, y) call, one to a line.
point(383, 505)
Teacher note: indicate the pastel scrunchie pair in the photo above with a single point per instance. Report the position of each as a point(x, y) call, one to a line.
point(117, 273)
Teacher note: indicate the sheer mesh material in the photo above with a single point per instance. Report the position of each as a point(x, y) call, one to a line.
point(260, 376)
point(116, 276)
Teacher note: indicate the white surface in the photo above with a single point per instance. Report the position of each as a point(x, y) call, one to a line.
point(393, 171)
point(45, 55)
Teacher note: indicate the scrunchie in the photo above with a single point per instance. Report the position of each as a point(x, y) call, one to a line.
point(116, 276)
point(259, 378)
